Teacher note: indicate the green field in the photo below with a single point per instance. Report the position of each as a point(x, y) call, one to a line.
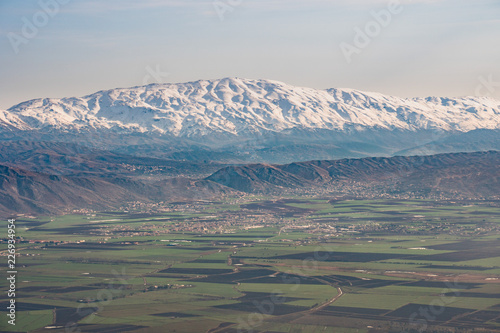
point(262, 264)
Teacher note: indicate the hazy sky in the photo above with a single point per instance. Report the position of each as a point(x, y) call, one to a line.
point(422, 48)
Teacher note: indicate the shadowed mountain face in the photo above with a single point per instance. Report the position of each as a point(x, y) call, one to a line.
point(462, 175)
point(450, 175)
point(23, 191)
point(476, 140)
point(257, 178)
point(61, 158)
point(37, 193)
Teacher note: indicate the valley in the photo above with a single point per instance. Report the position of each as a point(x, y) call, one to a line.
point(260, 264)
point(230, 166)
point(240, 205)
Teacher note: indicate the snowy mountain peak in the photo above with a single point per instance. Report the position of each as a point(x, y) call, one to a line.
point(237, 106)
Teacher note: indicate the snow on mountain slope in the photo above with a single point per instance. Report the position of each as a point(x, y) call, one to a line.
point(242, 107)
point(11, 121)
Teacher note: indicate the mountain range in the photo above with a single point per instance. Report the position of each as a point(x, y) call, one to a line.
point(456, 175)
point(211, 138)
point(443, 176)
point(242, 120)
point(27, 192)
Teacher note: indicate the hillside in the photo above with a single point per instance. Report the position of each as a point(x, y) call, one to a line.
point(459, 175)
point(26, 192)
point(447, 176)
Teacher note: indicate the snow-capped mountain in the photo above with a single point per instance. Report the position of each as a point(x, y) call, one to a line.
point(241, 107)
point(240, 120)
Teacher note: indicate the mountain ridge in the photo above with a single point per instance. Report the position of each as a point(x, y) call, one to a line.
point(234, 106)
point(28, 192)
point(454, 175)
point(235, 120)
point(443, 176)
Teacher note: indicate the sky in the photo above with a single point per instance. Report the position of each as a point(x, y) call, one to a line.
point(406, 48)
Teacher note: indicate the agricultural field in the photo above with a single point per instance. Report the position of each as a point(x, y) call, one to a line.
point(259, 264)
